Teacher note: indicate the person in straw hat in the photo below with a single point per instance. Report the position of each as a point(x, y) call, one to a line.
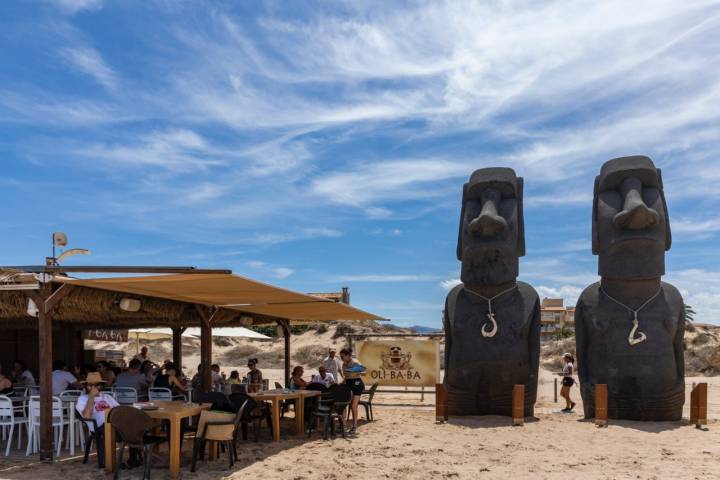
point(95, 404)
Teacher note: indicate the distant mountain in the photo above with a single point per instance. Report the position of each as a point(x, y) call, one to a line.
point(423, 329)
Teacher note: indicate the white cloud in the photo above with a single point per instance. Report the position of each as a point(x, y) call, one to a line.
point(282, 272)
point(74, 6)
point(701, 289)
point(277, 272)
point(89, 61)
point(450, 283)
point(695, 227)
point(569, 293)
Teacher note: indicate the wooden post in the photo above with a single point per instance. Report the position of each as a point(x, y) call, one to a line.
point(177, 347)
point(698, 405)
point(45, 300)
point(286, 333)
point(601, 405)
point(441, 406)
point(518, 405)
point(206, 319)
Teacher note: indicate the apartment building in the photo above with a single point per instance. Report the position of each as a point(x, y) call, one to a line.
point(554, 315)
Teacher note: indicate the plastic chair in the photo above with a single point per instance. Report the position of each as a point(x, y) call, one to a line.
point(93, 434)
point(254, 413)
point(133, 427)
point(10, 418)
point(126, 395)
point(58, 422)
point(159, 393)
point(72, 396)
point(330, 407)
point(368, 403)
point(217, 427)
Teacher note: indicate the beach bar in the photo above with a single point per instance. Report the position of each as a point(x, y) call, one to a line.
point(44, 311)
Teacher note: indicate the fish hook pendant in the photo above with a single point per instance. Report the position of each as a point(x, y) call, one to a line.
point(493, 331)
point(632, 339)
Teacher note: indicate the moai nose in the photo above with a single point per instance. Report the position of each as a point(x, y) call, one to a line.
point(635, 214)
point(489, 223)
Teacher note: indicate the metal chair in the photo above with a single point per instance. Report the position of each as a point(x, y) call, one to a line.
point(10, 418)
point(133, 427)
point(126, 395)
point(368, 403)
point(159, 393)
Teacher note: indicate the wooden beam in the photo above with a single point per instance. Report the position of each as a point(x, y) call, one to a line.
point(177, 347)
point(113, 269)
point(46, 300)
point(286, 333)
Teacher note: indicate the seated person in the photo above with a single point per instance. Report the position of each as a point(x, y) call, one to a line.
point(134, 379)
point(62, 379)
point(22, 375)
point(107, 373)
point(6, 387)
point(254, 376)
point(94, 404)
point(234, 378)
point(323, 377)
point(296, 380)
point(169, 380)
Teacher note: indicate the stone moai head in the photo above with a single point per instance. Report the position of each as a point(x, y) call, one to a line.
point(492, 234)
point(630, 223)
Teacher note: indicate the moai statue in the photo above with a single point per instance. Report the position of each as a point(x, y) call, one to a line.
point(492, 321)
point(629, 327)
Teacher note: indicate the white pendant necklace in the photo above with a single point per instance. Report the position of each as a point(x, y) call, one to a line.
point(490, 315)
point(632, 339)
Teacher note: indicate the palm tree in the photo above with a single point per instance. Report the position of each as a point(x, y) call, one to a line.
point(688, 314)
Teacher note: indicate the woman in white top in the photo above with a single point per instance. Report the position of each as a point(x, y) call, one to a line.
point(567, 381)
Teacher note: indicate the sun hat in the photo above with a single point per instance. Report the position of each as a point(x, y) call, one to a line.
point(94, 377)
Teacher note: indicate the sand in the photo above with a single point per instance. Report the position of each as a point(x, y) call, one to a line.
point(406, 443)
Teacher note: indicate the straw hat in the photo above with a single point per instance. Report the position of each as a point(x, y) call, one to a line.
point(94, 377)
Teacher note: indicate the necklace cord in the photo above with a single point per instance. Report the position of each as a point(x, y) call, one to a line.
point(489, 300)
point(635, 312)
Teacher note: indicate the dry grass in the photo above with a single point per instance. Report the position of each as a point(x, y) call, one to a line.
point(310, 355)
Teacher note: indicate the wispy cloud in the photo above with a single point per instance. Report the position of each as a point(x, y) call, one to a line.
point(384, 278)
point(89, 61)
point(74, 6)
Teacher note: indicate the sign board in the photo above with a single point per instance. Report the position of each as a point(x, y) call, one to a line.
point(106, 335)
point(403, 363)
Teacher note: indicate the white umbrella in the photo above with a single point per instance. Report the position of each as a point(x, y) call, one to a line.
point(235, 332)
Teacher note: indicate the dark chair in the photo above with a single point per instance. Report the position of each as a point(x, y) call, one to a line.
point(368, 403)
point(219, 400)
point(254, 413)
point(133, 427)
point(330, 407)
point(217, 427)
point(95, 433)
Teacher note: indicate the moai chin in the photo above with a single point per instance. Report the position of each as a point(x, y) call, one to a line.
point(491, 321)
point(630, 325)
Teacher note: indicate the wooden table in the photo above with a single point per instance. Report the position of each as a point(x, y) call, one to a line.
point(278, 395)
point(172, 411)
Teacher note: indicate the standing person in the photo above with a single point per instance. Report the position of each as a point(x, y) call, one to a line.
point(61, 378)
point(567, 381)
point(218, 380)
point(143, 355)
point(332, 364)
point(95, 404)
point(254, 376)
point(352, 372)
point(22, 375)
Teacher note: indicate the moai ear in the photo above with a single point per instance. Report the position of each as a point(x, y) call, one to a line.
point(520, 218)
point(462, 219)
point(668, 233)
point(595, 241)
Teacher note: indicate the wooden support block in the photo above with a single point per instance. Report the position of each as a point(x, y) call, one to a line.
point(441, 406)
point(699, 404)
point(518, 405)
point(601, 405)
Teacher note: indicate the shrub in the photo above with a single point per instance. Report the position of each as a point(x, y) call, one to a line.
point(309, 355)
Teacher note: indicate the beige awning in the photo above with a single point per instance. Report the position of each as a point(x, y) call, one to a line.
point(232, 292)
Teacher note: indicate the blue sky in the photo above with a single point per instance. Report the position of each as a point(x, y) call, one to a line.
point(321, 144)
